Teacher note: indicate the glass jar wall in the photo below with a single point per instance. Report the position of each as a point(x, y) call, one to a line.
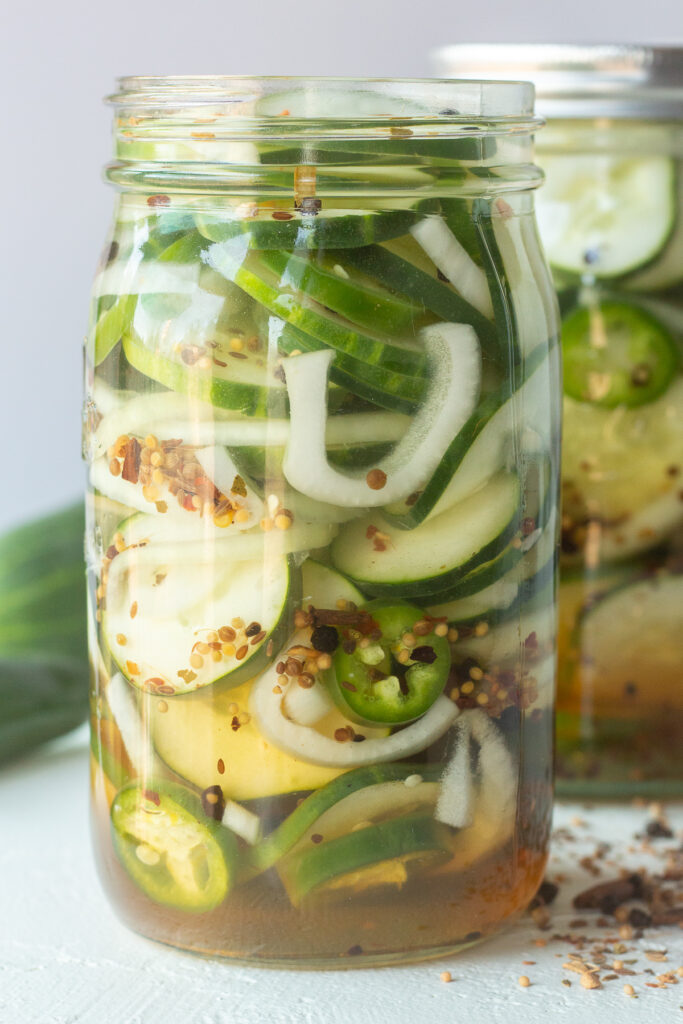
point(611, 219)
point(322, 437)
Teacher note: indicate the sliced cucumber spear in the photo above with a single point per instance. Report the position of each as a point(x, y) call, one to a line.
point(289, 228)
point(385, 854)
point(352, 787)
point(455, 367)
point(233, 259)
point(396, 270)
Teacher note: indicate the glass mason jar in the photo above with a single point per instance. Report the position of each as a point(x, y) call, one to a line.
point(611, 219)
point(322, 435)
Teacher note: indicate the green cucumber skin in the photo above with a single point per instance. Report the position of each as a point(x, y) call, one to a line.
point(459, 582)
point(42, 697)
point(288, 833)
point(328, 330)
point(44, 673)
point(309, 231)
point(251, 399)
point(459, 448)
point(531, 591)
point(395, 391)
point(399, 274)
point(415, 833)
point(393, 151)
point(499, 286)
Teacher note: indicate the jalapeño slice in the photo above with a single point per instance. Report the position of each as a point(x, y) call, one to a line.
point(617, 353)
point(394, 675)
point(170, 848)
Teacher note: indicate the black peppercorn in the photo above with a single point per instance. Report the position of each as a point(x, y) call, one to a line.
point(325, 639)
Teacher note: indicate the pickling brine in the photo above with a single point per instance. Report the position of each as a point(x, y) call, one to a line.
point(321, 427)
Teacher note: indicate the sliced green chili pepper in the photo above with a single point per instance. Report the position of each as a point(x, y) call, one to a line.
point(385, 854)
point(615, 354)
point(394, 675)
point(177, 855)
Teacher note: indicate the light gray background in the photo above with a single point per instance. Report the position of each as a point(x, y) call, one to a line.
point(58, 59)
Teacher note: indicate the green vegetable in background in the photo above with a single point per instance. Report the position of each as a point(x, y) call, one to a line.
point(43, 642)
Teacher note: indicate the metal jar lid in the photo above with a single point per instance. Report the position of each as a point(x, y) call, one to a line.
point(608, 80)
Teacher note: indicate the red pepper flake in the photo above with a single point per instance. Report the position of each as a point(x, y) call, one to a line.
point(153, 683)
point(379, 545)
point(152, 796)
point(376, 479)
point(235, 723)
point(111, 552)
point(412, 498)
point(221, 766)
point(316, 838)
point(131, 461)
point(354, 951)
point(371, 531)
point(344, 734)
point(281, 215)
point(426, 655)
point(237, 355)
point(531, 640)
point(158, 200)
point(528, 526)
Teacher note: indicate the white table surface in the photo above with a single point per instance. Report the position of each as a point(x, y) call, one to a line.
point(64, 958)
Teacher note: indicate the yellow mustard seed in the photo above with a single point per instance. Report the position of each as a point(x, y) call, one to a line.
point(242, 515)
point(282, 522)
point(121, 639)
point(196, 660)
point(441, 629)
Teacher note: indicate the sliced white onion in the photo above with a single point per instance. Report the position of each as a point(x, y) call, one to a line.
point(242, 822)
point(306, 706)
point(134, 276)
point(445, 251)
point(455, 805)
point(308, 745)
point(222, 472)
point(131, 727)
point(169, 414)
point(497, 772)
point(455, 363)
point(216, 544)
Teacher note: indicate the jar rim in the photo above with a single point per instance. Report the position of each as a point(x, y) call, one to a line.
point(448, 103)
point(575, 80)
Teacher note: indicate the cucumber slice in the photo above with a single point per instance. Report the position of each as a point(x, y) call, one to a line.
point(384, 560)
point(454, 357)
point(605, 215)
point(336, 284)
point(110, 327)
point(161, 610)
point(193, 736)
point(506, 641)
point(616, 353)
point(331, 227)
point(376, 384)
point(324, 587)
point(233, 260)
point(619, 470)
point(401, 268)
point(630, 637)
point(482, 446)
point(341, 803)
point(387, 854)
point(178, 856)
point(502, 598)
point(249, 385)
